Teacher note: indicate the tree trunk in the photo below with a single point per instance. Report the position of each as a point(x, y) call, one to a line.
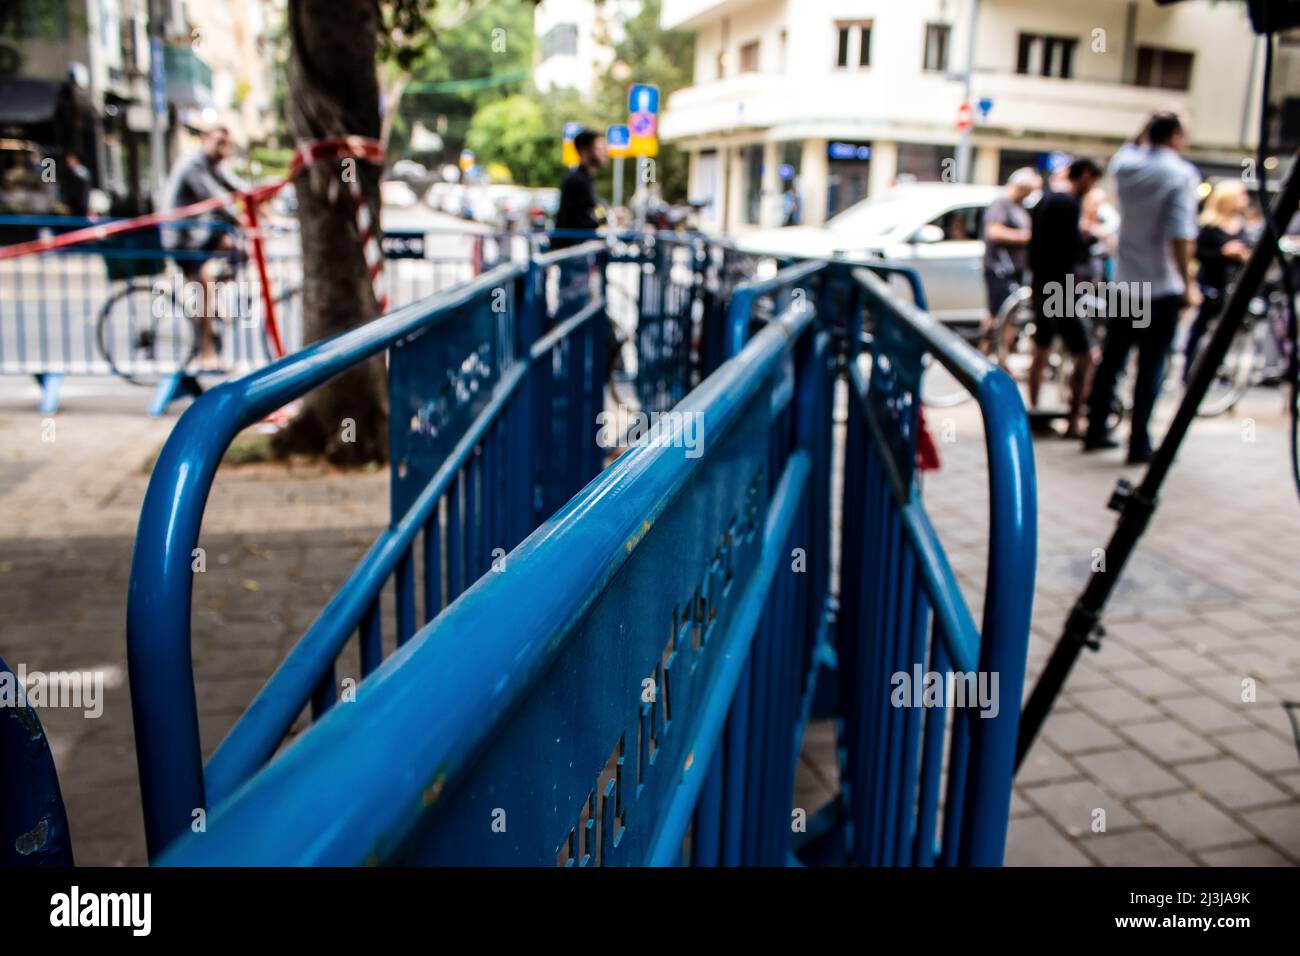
point(333, 91)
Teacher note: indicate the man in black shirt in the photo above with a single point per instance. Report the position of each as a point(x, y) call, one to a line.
point(579, 208)
point(1057, 250)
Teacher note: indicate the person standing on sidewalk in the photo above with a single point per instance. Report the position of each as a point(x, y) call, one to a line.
point(1222, 246)
point(580, 210)
point(1006, 242)
point(1157, 241)
point(1059, 249)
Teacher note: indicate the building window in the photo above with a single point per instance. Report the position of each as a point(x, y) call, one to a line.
point(749, 57)
point(925, 163)
point(1165, 69)
point(852, 43)
point(937, 36)
point(1046, 56)
point(560, 40)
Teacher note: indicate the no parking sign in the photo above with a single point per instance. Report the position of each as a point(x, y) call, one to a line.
point(642, 121)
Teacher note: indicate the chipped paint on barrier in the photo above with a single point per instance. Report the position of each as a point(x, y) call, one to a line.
point(34, 839)
point(632, 542)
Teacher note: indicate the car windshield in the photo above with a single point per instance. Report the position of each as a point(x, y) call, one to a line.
point(877, 216)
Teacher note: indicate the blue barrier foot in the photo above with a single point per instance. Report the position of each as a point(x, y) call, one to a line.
point(171, 388)
point(50, 382)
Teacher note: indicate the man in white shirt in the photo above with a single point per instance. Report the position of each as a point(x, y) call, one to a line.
point(1157, 240)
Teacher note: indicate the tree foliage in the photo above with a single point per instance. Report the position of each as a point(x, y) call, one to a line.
point(453, 78)
point(524, 133)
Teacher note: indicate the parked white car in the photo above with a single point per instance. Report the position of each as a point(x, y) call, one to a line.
point(936, 228)
point(394, 192)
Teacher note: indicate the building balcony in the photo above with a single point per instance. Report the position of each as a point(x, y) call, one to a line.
point(688, 14)
point(871, 104)
point(189, 79)
point(1084, 108)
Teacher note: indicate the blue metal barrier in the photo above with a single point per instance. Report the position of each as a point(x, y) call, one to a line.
point(632, 685)
point(902, 611)
point(476, 463)
point(33, 822)
point(638, 672)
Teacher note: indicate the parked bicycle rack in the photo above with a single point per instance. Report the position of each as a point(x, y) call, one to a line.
point(612, 666)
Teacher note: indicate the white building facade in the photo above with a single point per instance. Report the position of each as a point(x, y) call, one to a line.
point(575, 41)
point(799, 109)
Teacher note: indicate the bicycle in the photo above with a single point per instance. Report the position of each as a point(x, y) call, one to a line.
point(149, 329)
point(1258, 353)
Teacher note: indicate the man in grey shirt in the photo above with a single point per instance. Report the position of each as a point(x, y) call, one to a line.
point(203, 245)
point(1157, 240)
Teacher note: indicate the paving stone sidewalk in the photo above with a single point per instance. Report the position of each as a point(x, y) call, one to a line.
point(1152, 757)
point(278, 543)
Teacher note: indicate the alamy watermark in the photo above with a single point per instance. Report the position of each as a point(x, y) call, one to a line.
point(951, 689)
point(624, 427)
point(78, 690)
point(216, 298)
point(1088, 299)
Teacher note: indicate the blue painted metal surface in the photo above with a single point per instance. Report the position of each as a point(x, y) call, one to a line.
point(582, 726)
point(907, 614)
point(33, 823)
point(633, 684)
point(439, 490)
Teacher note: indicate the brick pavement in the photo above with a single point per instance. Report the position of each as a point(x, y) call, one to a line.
point(1152, 729)
point(278, 543)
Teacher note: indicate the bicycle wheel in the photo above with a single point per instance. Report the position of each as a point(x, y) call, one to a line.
point(1012, 332)
point(1235, 375)
point(939, 388)
point(144, 334)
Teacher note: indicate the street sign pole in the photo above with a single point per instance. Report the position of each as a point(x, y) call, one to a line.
point(618, 145)
point(964, 144)
point(158, 105)
point(639, 194)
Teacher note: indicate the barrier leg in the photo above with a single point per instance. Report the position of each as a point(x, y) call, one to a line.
point(50, 383)
point(172, 387)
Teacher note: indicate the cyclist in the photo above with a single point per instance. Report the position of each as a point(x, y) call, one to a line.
point(195, 178)
point(1058, 250)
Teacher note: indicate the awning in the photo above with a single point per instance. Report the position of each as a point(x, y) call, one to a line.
point(24, 100)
